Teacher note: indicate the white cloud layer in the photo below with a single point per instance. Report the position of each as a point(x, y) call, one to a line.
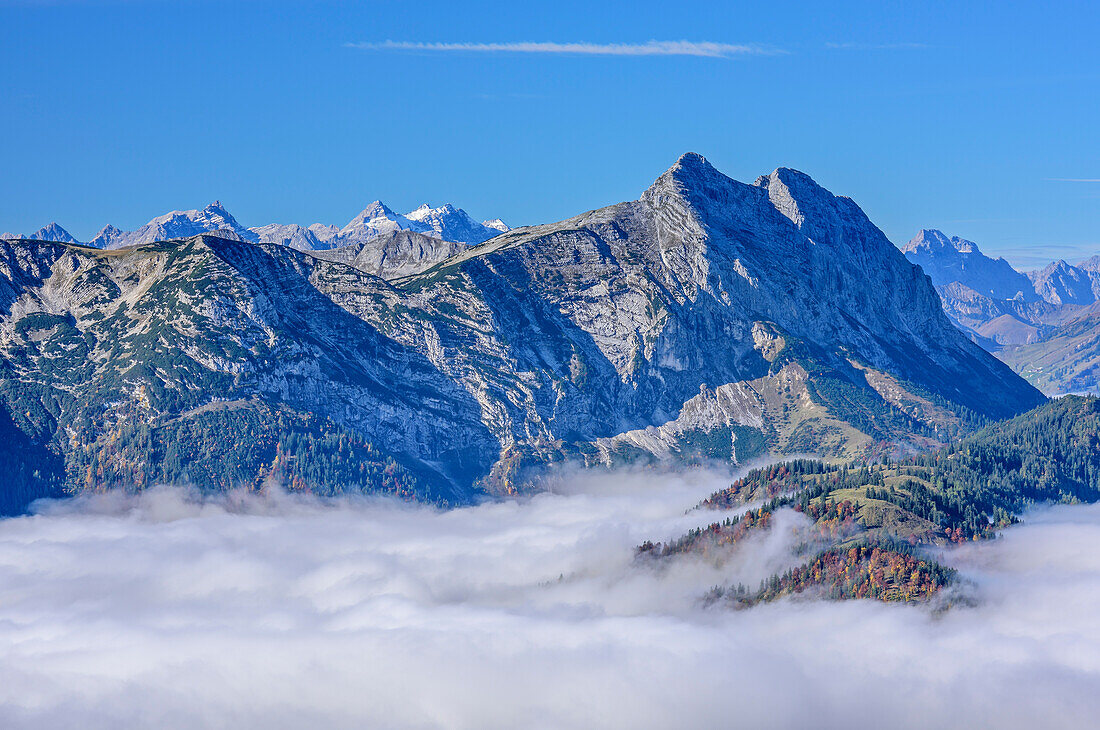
point(650, 48)
point(171, 612)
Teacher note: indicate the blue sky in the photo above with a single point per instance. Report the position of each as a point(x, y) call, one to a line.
point(963, 116)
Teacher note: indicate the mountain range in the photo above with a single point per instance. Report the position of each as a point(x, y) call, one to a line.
point(708, 319)
point(376, 220)
point(1044, 323)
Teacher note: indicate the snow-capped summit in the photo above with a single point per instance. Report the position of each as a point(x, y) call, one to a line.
point(375, 220)
point(184, 223)
point(497, 225)
point(446, 223)
point(451, 224)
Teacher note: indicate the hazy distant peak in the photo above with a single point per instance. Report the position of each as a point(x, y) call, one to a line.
point(931, 239)
point(53, 232)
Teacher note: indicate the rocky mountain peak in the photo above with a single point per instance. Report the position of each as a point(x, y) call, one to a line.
point(375, 209)
point(691, 172)
point(930, 239)
point(952, 259)
point(693, 163)
point(53, 232)
point(1062, 283)
point(710, 314)
point(690, 190)
point(107, 236)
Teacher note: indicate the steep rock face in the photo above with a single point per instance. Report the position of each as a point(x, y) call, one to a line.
point(708, 319)
point(395, 254)
point(614, 319)
point(949, 260)
point(53, 232)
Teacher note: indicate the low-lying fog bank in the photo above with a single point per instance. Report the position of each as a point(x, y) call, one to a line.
point(170, 611)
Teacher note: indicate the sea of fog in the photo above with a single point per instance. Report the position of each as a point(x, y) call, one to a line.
point(168, 610)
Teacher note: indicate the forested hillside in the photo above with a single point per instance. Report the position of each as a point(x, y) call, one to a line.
point(966, 491)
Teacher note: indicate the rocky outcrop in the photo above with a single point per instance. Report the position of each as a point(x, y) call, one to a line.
point(395, 254)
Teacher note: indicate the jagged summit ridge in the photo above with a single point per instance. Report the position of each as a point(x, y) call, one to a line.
point(709, 318)
point(445, 222)
point(1062, 283)
point(182, 224)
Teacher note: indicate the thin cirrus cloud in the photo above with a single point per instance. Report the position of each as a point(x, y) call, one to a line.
point(1073, 179)
point(704, 49)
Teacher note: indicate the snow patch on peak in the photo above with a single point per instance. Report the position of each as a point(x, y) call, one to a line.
point(184, 224)
point(375, 220)
point(451, 224)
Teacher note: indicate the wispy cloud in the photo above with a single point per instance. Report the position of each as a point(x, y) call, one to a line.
point(704, 49)
point(1025, 258)
point(1073, 179)
point(874, 46)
